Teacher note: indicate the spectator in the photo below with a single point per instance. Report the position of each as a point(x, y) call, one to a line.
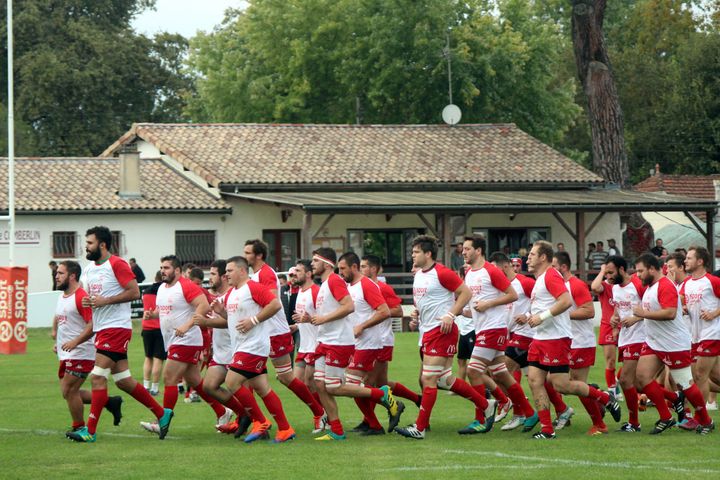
point(197, 276)
point(613, 250)
point(598, 257)
point(187, 268)
point(516, 264)
point(152, 337)
point(139, 274)
point(560, 247)
point(658, 248)
point(53, 269)
point(282, 278)
point(456, 259)
point(523, 253)
point(681, 251)
point(590, 251)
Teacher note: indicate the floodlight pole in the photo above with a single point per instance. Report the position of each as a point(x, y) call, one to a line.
point(11, 138)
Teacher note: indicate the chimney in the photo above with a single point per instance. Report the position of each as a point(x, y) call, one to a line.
point(657, 169)
point(129, 172)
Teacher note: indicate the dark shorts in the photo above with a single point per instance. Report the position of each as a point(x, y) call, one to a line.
point(465, 345)
point(518, 355)
point(154, 344)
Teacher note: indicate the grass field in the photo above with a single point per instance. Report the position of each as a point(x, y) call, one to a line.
point(33, 418)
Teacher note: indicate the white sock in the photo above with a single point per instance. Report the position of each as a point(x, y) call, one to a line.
point(155, 387)
point(146, 384)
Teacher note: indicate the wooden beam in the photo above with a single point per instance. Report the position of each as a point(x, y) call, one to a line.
point(323, 225)
point(447, 239)
point(565, 225)
point(307, 235)
point(592, 225)
point(428, 225)
point(580, 264)
point(697, 225)
point(710, 225)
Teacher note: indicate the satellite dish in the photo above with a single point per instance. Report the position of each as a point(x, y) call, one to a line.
point(451, 114)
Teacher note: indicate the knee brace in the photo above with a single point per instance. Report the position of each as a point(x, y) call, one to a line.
point(444, 382)
point(121, 375)
point(353, 380)
point(682, 376)
point(283, 369)
point(476, 365)
point(498, 368)
point(431, 371)
point(100, 372)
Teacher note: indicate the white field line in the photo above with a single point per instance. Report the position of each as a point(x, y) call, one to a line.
point(35, 431)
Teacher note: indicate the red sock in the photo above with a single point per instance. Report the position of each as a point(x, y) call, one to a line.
point(654, 392)
point(669, 395)
point(252, 409)
point(303, 393)
point(170, 396)
point(593, 409)
point(376, 394)
point(631, 400)
point(99, 399)
point(429, 396)
point(520, 403)
point(546, 421)
point(217, 407)
point(610, 377)
point(367, 407)
point(481, 390)
point(140, 394)
point(272, 402)
point(696, 399)
point(555, 398)
point(462, 388)
point(517, 375)
point(316, 396)
point(235, 405)
point(78, 424)
point(336, 427)
point(599, 395)
point(400, 390)
point(499, 395)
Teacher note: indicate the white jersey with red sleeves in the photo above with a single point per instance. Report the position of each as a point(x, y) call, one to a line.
point(246, 302)
point(392, 300)
point(278, 324)
point(523, 286)
point(72, 318)
point(702, 295)
point(107, 279)
point(367, 298)
point(583, 331)
point(625, 298)
point(337, 332)
point(173, 304)
point(305, 303)
point(488, 283)
point(222, 350)
point(665, 335)
point(434, 294)
point(548, 287)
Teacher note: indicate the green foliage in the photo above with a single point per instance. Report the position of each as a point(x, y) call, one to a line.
point(82, 75)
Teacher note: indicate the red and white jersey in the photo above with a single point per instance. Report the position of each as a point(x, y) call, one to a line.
point(548, 287)
point(392, 300)
point(305, 303)
point(434, 294)
point(367, 298)
point(72, 318)
point(488, 283)
point(222, 351)
point(583, 331)
point(278, 324)
point(465, 324)
point(246, 302)
point(665, 335)
point(108, 279)
point(607, 307)
point(625, 298)
point(702, 295)
point(337, 332)
point(523, 286)
point(173, 304)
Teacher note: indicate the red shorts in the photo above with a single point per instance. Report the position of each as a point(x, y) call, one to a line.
point(335, 355)
point(494, 338)
point(282, 344)
point(184, 353)
point(707, 348)
point(582, 357)
point(113, 339)
point(364, 360)
point(386, 354)
point(438, 344)
point(83, 367)
point(631, 351)
point(551, 353)
point(607, 335)
point(521, 342)
point(307, 357)
point(248, 362)
point(673, 360)
point(213, 363)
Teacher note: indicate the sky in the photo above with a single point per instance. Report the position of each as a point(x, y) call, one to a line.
point(184, 16)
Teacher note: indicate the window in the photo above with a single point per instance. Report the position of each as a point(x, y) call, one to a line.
point(116, 247)
point(511, 240)
point(392, 246)
point(64, 244)
point(283, 248)
point(195, 246)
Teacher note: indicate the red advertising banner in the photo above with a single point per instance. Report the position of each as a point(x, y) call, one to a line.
point(13, 310)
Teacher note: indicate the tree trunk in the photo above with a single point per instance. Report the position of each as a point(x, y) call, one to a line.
point(595, 73)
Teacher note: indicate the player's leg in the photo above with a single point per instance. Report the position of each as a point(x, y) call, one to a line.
point(628, 384)
point(591, 406)
point(370, 424)
point(563, 384)
point(478, 378)
point(691, 391)
point(647, 369)
point(537, 378)
point(432, 368)
point(274, 406)
point(502, 375)
point(70, 388)
point(284, 373)
point(172, 374)
point(195, 380)
point(701, 373)
point(327, 400)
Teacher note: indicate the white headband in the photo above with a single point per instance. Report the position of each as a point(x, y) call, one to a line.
point(324, 260)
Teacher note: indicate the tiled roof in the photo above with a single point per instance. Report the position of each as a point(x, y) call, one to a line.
point(91, 184)
point(267, 154)
point(700, 186)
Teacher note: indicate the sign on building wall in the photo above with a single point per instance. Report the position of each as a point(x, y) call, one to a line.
point(13, 309)
point(25, 238)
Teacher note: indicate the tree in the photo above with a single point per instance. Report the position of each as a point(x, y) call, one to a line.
point(381, 61)
point(82, 75)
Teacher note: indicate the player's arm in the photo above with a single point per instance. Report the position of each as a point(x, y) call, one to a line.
point(150, 314)
point(84, 336)
point(462, 297)
point(130, 292)
point(667, 296)
point(662, 314)
point(597, 286)
point(562, 303)
point(347, 306)
point(201, 308)
point(509, 295)
point(379, 315)
point(583, 312)
point(54, 329)
point(267, 312)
